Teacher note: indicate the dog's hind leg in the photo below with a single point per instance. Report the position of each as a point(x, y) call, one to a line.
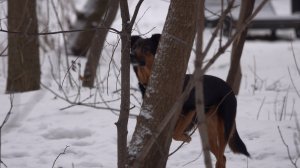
point(213, 134)
point(216, 137)
point(182, 123)
point(222, 142)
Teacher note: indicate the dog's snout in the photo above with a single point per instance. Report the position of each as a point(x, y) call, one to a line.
point(135, 61)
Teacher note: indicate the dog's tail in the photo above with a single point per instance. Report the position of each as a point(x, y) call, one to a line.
point(237, 145)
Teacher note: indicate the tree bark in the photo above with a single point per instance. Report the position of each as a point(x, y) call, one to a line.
point(94, 53)
point(165, 86)
point(234, 75)
point(23, 49)
point(202, 124)
point(89, 18)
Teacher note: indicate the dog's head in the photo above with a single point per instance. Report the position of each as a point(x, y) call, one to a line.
point(142, 55)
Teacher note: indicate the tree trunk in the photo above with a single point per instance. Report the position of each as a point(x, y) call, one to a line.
point(89, 18)
point(23, 50)
point(125, 85)
point(165, 86)
point(234, 75)
point(94, 54)
point(202, 124)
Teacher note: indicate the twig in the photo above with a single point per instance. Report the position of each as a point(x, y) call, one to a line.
point(235, 35)
point(193, 159)
point(112, 30)
point(260, 107)
point(297, 135)
point(182, 143)
point(79, 103)
point(62, 153)
point(64, 39)
point(294, 56)
point(293, 82)
point(293, 109)
point(288, 150)
point(3, 123)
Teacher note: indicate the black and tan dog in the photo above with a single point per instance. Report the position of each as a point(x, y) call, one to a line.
point(220, 103)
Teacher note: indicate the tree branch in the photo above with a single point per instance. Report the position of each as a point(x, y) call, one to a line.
point(62, 153)
point(112, 30)
point(294, 163)
point(2, 125)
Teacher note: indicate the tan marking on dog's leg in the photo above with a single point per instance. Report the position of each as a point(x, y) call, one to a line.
point(182, 123)
point(212, 134)
point(221, 159)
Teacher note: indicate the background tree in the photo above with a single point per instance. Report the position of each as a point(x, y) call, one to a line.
point(170, 67)
point(90, 17)
point(94, 53)
point(23, 49)
point(235, 75)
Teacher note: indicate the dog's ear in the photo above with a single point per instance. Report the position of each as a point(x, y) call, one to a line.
point(155, 39)
point(134, 39)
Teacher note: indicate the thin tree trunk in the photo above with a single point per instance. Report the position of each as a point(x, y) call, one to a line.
point(94, 54)
point(202, 125)
point(23, 50)
point(125, 86)
point(164, 88)
point(89, 18)
point(234, 75)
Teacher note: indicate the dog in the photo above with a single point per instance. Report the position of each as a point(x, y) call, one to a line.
point(219, 100)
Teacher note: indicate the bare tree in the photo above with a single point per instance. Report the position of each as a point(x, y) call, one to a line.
point(23, 49)
point(234, 75)
point(93, 56)
point(170, 67)
point(89, 18)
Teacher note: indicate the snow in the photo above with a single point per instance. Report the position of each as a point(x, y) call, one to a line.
point(42, 125)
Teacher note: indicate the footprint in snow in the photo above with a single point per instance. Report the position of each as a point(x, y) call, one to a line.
point(62, 133)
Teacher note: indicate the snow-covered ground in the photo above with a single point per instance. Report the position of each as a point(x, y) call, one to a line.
point(42, 125)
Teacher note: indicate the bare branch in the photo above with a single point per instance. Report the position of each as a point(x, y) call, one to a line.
point(294, 163)
point(294, 56)
point(62, 153)
point(260, 107)
point(64, 39)
point(3, 123)
point(235, 35)
point(9, 112)
point(113, 110)
point(135, 13)
point(112, 30)
point(293, 82)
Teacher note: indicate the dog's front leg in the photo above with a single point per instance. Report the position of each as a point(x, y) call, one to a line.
point(182, 124)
